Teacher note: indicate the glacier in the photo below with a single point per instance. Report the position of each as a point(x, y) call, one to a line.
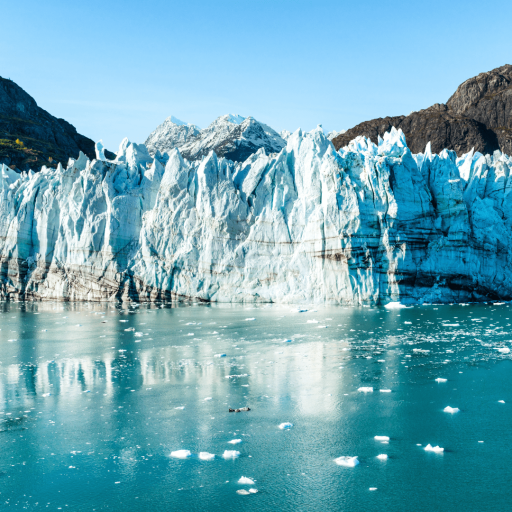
point(369, 224)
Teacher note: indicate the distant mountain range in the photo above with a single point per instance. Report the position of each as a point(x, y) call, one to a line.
point(231, 136)
point(31, 137)
point(478, 115)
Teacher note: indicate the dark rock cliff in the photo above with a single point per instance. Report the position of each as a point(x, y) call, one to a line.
point(478, 115)
point(31, 137)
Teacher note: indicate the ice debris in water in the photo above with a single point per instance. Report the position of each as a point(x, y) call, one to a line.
point(181, 454)
point(373, 488)
point(230, 454)
point(499, 401)
point(246, 481)
point(220, 355)
point(235, 441)
point(436, 449)
point(381, 438)
point(394, 305)
point(250, 319)
point(207, 398)
point(285, 426)
point(243, 492)
point(382, 456)
point(206, 456)
point(439, 379)
point(385, 390)
point(346, 461)
point(504, 350)
point(451, 409)
point(366, 389)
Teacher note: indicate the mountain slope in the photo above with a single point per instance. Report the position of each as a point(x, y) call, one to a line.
point(31, 137)
point(478, 115)
point(230, 136)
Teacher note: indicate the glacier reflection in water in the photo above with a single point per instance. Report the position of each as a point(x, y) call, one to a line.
point(95, 398)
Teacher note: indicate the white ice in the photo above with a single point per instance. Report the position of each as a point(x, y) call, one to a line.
point(246, 481)
point(231, 454)
point(347, 461)
point(285, 426)
point(451, 409)
point(436, 449)
point(181, 454)
point(206, 456)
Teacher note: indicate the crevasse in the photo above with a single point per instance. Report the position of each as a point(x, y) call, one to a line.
point(368, 224)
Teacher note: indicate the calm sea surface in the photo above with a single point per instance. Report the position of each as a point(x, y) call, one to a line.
point(94, 398)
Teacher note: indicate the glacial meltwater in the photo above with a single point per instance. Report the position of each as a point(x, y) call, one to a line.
point(126, 407)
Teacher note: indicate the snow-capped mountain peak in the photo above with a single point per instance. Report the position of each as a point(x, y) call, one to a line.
point(170, 134)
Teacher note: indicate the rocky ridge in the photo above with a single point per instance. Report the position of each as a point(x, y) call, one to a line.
point(478, 115)
point(31, 137)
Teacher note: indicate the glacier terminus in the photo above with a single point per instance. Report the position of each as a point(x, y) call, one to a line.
point(369, 224)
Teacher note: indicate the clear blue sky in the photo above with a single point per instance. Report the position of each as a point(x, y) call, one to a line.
point(119, 68)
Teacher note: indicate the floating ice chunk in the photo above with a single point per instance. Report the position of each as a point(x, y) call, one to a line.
point(381, 438)
point(312, 321)
point(385, 390)
point(123, 320)
point(219, 355)
point(46, 394)
point(230, 454)
point(287, 341)
point(439, 379)
point(504, 350)
point(235, 441)
point(373, 488)
point(207, 398)
point(139, 334)
point(286, 426)
point(346, 461)
point(451, 409)
point(253, 491)
point(394, 305)
point(436, 449)
point(181, 454)
point(382, 456)
point(250, 319)
point(243, 492)
point(408, 323)
point(246, 481)
point(180, 407)
point(365, 389)
point(499, 401)
point(450, 325)
point(206, 456)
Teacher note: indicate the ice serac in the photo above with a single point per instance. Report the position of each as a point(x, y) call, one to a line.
point(367, 224)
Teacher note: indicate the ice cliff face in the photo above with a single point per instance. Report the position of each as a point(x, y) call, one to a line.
point(230, 136)
point(368, 224)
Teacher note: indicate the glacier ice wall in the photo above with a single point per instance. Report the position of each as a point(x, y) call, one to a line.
point(368, 224)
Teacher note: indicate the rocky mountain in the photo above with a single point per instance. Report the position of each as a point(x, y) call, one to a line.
point(368, 224)
point(230, 136)
point(172, 133)
point(478, 115)
point(31, 137)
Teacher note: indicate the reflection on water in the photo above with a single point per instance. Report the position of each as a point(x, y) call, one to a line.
point(95, 397)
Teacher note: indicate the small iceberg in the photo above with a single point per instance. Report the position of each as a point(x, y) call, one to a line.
point(451, 409)
point(394, 305)
point(246, 481)
point(499, 401)
point(250, 319)
point(181, 454)
point(373, 488)
point(436, 449)
point(349, 462)
point(385, 390)
point(286, 426)
point(366, 389)
point(243, 492)
point(287, 341)
point(206, 456)
point(230, 454)
point(382, 456)
point(219, 355)
point(235, 441)
point(504, 350)
point(439, 379)
point(381, 438)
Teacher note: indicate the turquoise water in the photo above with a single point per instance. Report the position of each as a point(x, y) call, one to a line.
point(91, 411)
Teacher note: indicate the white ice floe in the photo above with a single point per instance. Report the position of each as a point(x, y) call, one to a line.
point(285, 426)
point(250, 319)
point(230, 454)
point(287, 341)
point(243, 492)
point(207, 398)
point(346, 461)
point(253, 491)
point(219, 355)
point(180, 407)
point(382, 456)
point(439, 379)
point(504, 350)
point(394, 305)
point(235, 441)
point(381, 438)
point(436, 449)
point(499, 401)
point(246, 481)
point(450, 325)
point(373, 488)
point(181, 454)
point(206, 456)
point(385, 390)
point(366, 389)
point(451, 409)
